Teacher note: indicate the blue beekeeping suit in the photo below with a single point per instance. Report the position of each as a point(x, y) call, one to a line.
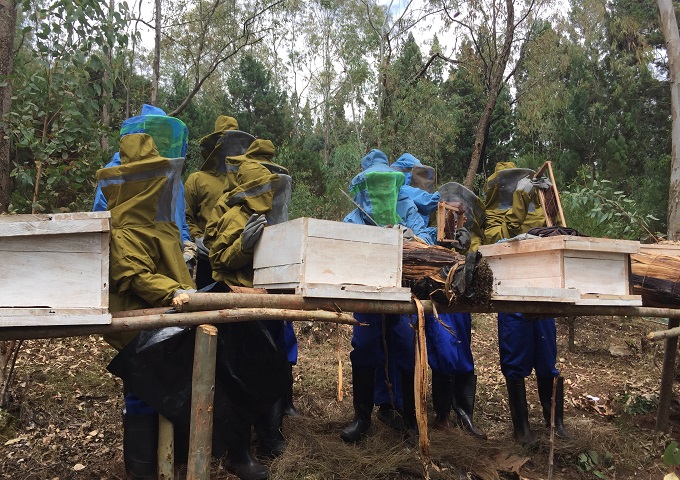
point(424, 201)
point(526, 344)
point(378, 191)
point(100, 202)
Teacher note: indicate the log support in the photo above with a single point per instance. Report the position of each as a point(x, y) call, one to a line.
point(667, 378)
point(166, 449)
point(202, 396)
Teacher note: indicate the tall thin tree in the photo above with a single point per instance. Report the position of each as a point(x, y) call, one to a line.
point(8, 19)
point(669, 25)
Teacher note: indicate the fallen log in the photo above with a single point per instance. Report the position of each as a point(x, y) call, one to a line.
point(446, 276)
point(657, 279)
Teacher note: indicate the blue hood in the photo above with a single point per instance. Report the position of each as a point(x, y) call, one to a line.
point(151, 110)
point(374, 161)
point(405, 164)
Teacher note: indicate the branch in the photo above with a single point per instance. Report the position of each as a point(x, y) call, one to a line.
point(429, 62)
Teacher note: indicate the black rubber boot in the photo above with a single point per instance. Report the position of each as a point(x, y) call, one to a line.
point(268, 429)
point(288, 406)
point(464, 393)
point(407, 393)
point(390, 416)
point(517, 397)
point(363, 380)
point(140, 445)
point(545, 385)
point(240, 462)
point(442, 400)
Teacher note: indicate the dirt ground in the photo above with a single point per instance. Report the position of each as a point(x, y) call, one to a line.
point(64, 421)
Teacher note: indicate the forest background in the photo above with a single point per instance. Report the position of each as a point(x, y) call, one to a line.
point(584, 84)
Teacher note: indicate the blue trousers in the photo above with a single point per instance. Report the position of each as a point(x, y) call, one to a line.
point(367, 342)
point(448, 343)
point(525, 344)
point(290, 343)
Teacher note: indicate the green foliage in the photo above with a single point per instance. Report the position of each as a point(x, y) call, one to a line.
point(259, 105)
point(596, 208)
point(639, 404)
point(591, 462)
point(671, 454)
point(55, 123)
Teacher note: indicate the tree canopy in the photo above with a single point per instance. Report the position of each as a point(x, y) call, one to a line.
point(586, 88)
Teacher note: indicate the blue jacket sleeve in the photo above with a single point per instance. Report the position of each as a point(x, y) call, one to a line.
point(181, 215)
point(100, 202)
point(410, 218)
point(425, 202)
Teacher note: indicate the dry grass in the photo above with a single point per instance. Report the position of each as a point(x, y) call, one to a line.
point(66, 414)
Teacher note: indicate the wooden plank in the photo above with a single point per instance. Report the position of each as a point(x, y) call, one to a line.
point(565, 295)
point(521, 298)
point(610, 300)
point(280, 244)
point(104, 281)
point(353, 232)
point(63, 242)
point(563, 242)
point(526, 266)
point(35, 312)
point(398, 294)
point(596, 276)
point(333, 261)
point(50, 279)
point(30, 225)
point(281, 274)
point(53, 320)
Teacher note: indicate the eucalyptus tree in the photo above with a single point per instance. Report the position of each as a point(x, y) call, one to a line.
point(497, 29)
point(8, 20)
point(207, 33)
point(669, 26)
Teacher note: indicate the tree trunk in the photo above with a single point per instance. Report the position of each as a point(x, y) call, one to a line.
point(106, 118)
point(669, 25)
point(8, 19)
point(156, 55)
point(494, 88)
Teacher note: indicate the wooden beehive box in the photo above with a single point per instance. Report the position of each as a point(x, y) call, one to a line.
point(580, 270)
point(54, 269)
point(321, 258)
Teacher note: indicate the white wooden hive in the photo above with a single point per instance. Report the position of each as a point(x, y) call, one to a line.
point(54, 269)
point(322, 258)
point(580, 270)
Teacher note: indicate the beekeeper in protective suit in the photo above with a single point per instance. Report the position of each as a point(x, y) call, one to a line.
point(150, 121)
point(419, 190)
point(454, 383)
point(377, 191)
point(262, 151)
point(146, 267)
point(512, 208)
point(203, 188)
point(257, 198)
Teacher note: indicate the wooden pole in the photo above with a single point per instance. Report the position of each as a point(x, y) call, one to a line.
point(166, 449)
point(216, 301)
point(150, 322)
point(667, 378)
point(202, 395)
point(235, 307)
point(664, 334)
